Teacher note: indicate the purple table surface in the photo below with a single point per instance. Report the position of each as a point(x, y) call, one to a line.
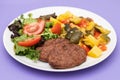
point(109, 69)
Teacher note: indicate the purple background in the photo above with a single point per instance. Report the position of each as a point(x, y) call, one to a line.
point(13, 70)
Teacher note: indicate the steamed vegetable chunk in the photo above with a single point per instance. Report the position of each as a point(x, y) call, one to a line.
point(75, 19)
point(95, 52)
point(103, 39)
point(90, 26)
point(54, 21)
point(102, 30)
point(91, 41)
point(65, 16)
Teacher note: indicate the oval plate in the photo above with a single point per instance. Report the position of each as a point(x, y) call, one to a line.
point(59, 10)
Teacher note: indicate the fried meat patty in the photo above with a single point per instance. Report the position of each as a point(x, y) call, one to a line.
point(61, 54)
point(66, 56)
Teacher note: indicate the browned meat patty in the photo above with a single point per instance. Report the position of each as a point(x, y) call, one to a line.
point(66, 56)
point(49, 46)
point(60, 53)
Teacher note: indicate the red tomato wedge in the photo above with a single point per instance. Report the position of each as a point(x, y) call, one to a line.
point(96, 34)
point(103, 47)
point(65, 21)
point(56, 28)
point(85, 48)
point(34, 28)
point(83, 23)
point(30, 42)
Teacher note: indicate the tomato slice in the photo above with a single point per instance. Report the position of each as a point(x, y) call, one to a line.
point(30, 42)
point(34, 28)
point(56, 28)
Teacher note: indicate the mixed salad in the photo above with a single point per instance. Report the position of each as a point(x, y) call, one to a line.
point(30, 33)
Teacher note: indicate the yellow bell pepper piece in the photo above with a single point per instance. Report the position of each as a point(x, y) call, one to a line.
point(75, 19)
point(90, 40)
point(65, 16)
point(95, 52)
point(54, 20)
point(90, 26)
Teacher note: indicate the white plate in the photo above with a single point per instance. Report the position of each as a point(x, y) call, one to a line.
point(59, 10)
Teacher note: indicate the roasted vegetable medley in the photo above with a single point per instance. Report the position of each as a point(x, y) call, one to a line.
point(30, 33)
